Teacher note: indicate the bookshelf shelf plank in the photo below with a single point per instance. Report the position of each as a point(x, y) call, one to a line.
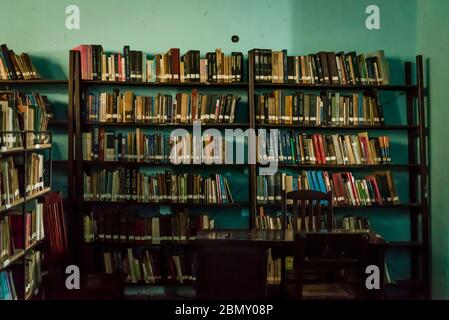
point(165, 125)
point(5, 208)
point(159, 164)
point(38, 194)
point(358, 128)
point(35, 81)
point(168, 84)
point(397, 206)
point(173, 204)
point(13, 258)
point(349, 167)
point(411, 88)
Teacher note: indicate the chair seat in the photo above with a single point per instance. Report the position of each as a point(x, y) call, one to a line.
point(327, 291)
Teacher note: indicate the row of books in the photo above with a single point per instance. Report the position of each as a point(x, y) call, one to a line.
point(321, 68)
point(171, 67)
point(125, 184)
point(354, 223)
point(375, 189)
point(275, 222)
point(181, 108)
point(330, 109)
point(10, 176)
point(7, 287)
point(100, 145)
point(127, 226)
point(148, 267)
point(12, 230)
point(23, 112)
point(16, 67)
point(300, 148)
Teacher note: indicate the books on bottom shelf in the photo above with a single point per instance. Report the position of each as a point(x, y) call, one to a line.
point(145, 266)
point(7, 287)
point(33, 272)
point(274, 269)
point(126, 227)
point(375, 189)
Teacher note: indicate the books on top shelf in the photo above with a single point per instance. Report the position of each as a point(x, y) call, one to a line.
point(181, 108)
point(16, 67)
point(7, 287)
point(125, 184)
point(375, 189)
point(325, 68)
point(292, 147)
point(170, 67)
point(9, 183)
point(129, 227)
point(331, 109)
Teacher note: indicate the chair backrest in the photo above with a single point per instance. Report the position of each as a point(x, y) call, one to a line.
point(309, 208)
point(55, 228)
point(331, 251)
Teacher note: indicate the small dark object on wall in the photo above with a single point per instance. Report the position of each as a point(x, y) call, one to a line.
point(235, 38)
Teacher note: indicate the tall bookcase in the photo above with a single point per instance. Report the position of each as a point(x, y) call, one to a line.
point(18, 261)
point(79, 86)
point(415, 129)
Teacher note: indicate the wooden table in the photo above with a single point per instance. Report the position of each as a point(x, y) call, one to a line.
point(232, 263)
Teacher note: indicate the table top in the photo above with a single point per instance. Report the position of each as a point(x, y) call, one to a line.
point(269, 237)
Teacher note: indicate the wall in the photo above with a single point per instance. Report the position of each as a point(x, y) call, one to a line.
point(433, 31)
point(301, 26)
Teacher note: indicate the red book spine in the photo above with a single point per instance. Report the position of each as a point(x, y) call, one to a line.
point(101, 143)
point(321, 145)
point(316, 149)
point(174, 55)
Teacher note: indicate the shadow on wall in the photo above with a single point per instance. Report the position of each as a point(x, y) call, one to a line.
point(48, 69)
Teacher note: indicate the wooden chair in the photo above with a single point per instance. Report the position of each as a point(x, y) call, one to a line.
point(310, 206)
point(342, 255)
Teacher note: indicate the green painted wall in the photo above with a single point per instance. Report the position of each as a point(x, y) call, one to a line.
point(408, 27)
point(433, 33)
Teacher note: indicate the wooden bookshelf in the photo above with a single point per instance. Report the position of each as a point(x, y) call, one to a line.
point(414, 129)
point(20, 255)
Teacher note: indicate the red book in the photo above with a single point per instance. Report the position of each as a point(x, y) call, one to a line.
point(316, 149)
point(321, 146)
point(101, 144)
point(16, 230)
point(376, 190)
point(174, 61)
point(339, 189)
point(139, 230)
